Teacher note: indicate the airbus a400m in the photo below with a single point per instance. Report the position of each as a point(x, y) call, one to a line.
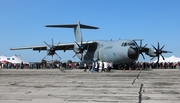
point(120, 52)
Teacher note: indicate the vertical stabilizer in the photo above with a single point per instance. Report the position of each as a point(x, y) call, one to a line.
point(77, 32)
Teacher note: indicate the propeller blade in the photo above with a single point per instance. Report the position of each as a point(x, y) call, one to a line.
point(87, 54)
point(142, 55)
point(145, 45)
point(81, 56)
point(140, 43)
point(52, 43)
point(74, 55)
point(58, 43)
point(162, 47)
point(52, 57)
point(158, 60)
point(163, 51)
point(154, 48)
point(152, 58)
point(45, 56)
point(66, 49)
point(78, 44)
point(136, 43)
point(162, 57)
point(57, 55)
point(47, 44)
point(158, 46)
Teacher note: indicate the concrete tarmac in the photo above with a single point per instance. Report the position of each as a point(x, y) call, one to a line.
point(76, 86)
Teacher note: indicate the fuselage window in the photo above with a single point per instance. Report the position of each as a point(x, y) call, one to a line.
point(122, 44)
point(125, 44)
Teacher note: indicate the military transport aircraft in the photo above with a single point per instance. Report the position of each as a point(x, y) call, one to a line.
point(120, 52)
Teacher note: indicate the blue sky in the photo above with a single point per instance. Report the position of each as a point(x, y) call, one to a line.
point(22, 23)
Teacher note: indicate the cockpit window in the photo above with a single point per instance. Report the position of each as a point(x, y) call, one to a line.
point(128, 44)
point(125, 44)
point(131, 44)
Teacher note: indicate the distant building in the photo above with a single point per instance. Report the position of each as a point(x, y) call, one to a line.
point(13, 59)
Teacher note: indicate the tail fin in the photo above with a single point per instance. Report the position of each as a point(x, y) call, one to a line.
point(77, 29)
point(78, 33)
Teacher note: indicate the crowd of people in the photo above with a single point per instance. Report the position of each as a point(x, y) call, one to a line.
point(155, 65)
point(8, 65)
point(38, 65)
point(107, 66)
point(98, 66)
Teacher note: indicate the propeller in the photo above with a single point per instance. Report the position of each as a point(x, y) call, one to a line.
point(158, 52)
point(141, 49)
point(52, 49)
point(81, 49)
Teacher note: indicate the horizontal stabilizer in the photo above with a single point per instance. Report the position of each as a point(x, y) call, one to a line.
point(73, 26)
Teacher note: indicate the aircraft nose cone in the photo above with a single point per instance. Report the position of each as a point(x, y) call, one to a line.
point(133, 53)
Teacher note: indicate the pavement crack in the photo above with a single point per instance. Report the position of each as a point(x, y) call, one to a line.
point(138, 74)
point(136, 77)
point(140, 94)
point(133, 81)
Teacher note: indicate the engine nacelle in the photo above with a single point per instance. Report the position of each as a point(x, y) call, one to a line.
point(151, 52)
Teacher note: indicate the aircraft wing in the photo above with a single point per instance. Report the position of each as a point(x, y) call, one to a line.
point(66, 46)
point(43, 47)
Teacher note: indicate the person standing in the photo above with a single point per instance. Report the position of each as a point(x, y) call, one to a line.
point(106, 66)
point(85, 67)
point(110, 66)
point(89, 66)
point(64, 65)
point(103, 70)
point(100, 66)
point(61, 68)
point(77, 66)
point(22, 65)
point(96, 66)
point(179, 65)
point(93, 67)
